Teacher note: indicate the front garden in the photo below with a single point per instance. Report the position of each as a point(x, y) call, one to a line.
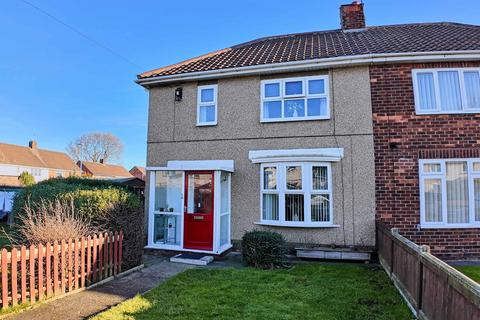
point(306, 291)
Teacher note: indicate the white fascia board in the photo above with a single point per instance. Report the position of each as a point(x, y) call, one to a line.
point(287, 155)
point(317, 64)
point(187, 165)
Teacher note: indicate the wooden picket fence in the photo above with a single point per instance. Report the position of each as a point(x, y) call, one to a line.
point(432, 289)
point(52, 269)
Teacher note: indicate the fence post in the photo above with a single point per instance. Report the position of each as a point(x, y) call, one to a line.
point(423, 249)
point(48, 269)
point(82, 262)
point(89, 259)
point(115, 252)
point(100, 257)
point(120, 252)
point(55, 268)
point(32, 273)
point(4, 279)
point(14, 277)
point(392, 239)
point(70, 265)
point(94, 258)
point(110, 252)
point(63, 265)
point(23, 266)
point(40, 272)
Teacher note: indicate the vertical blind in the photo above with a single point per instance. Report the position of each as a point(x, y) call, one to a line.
point(457, 192)
point(296, 192)
point(426, 91)
point(449, 87)
point(433, 200)
point(472, 89)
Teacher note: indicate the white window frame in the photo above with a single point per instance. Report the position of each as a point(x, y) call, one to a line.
point(305, 96)
point(307, 191)
point(471, 175)
point(438, 110)
point(201, 104)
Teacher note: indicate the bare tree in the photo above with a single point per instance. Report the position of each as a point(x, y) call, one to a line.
point(96, 146)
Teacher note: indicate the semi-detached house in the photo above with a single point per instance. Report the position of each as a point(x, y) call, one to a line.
point(318, 134)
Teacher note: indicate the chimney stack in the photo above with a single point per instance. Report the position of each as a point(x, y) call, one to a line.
point(101, 161)
point(32, 144)
point(352, 16)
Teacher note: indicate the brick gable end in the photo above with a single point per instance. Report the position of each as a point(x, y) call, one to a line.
point(401, 138)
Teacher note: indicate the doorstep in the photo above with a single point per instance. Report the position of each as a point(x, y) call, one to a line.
point(192, 258)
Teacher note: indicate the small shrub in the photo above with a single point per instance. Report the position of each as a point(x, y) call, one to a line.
point(26, 179)
point(105, 204)
point(263, 249)
point(48, 221)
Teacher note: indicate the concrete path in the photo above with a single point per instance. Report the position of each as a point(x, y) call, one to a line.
point(89, 302)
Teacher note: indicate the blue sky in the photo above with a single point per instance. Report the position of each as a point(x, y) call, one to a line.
point(56, 85)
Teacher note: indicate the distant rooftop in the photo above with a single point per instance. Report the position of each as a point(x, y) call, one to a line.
point(31, 156)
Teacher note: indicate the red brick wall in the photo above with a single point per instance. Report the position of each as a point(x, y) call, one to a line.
point(401, 138)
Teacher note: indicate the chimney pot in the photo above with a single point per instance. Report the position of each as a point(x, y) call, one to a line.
point(352, 16)
point(32, 144)
point(101, 161)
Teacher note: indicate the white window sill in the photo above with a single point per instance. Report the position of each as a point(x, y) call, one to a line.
point(294, 119)
point(297, 225)
point(206, 124)
point(450, 226)
point(429, 113)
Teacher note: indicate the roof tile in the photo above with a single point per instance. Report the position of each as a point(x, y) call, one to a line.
point(419, 37)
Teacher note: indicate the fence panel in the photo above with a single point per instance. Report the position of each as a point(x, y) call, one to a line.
point(54, 269)
point(433, 289)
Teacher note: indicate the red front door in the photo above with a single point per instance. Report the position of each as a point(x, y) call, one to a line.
point(198, 212)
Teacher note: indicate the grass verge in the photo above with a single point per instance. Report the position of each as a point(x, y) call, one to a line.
point(472, 272)
point(310, 291)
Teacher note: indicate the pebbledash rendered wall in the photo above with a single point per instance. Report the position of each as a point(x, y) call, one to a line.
point(402, 138)
point(173, 135)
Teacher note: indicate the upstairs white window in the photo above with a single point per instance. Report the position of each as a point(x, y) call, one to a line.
point(294, 99)
point(447, 90)
point(207, 105)
point(450, 193)
point(296, 194)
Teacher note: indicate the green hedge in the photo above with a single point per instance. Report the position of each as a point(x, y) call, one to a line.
point(108, 205)
point(263, 249)
point(91, 197)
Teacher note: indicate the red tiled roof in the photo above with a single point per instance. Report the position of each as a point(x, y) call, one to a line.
point(406, 38)
point(38, 158)
point(105, 170)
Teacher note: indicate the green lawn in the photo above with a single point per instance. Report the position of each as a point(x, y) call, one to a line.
point(307, 291)
point(472, 272)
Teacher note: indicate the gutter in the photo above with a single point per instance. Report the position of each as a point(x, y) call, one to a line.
point(317, 64)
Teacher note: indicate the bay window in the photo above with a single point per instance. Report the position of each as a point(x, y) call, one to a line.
point(293, 99)
point(296, 194)
point(450, 193)
point(446, 90)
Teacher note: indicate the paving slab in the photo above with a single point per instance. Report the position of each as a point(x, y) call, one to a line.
point(84, 304)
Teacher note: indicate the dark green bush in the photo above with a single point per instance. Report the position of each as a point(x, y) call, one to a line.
point(263, 249)
point(108, 205)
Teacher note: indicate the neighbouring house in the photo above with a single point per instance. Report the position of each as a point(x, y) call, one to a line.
point(101, 170)
point(41, 164)
point(317, 134)
point(138, 172)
